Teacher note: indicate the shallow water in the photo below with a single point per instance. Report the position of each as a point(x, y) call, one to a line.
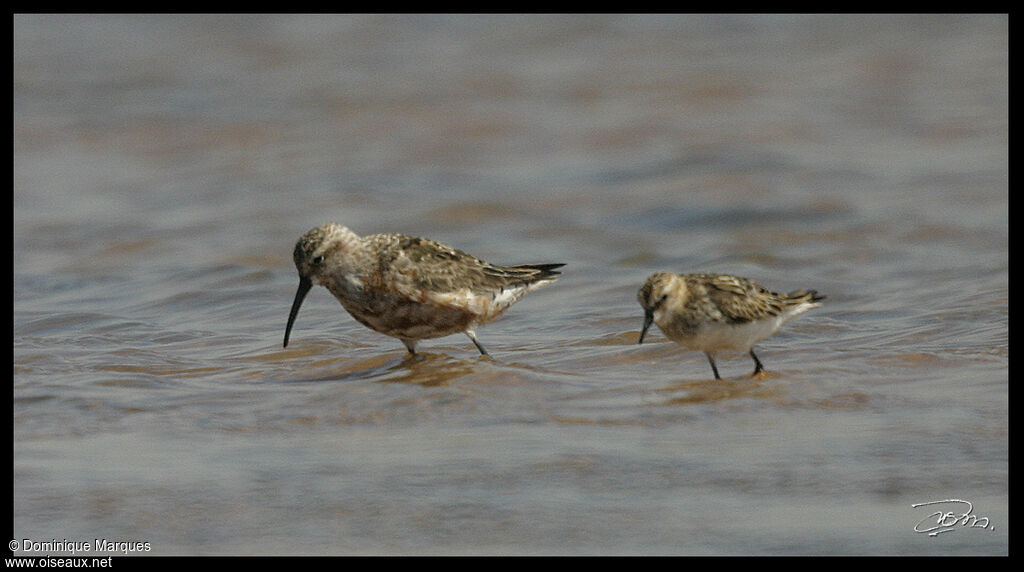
point(165, 166)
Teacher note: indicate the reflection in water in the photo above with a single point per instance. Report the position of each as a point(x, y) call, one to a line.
point(429, 369)
point(723, 389)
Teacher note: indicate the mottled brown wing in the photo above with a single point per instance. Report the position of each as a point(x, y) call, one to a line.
point(436, 267)
point(741, 300)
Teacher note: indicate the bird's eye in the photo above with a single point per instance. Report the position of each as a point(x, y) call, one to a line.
point(318, 260)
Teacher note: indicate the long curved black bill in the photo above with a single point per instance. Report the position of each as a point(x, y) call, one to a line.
point(304, 285)
point(648, 318)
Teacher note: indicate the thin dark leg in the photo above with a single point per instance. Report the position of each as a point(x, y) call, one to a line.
point(472, 336)
point(714, 367)
point(758, 368)
point(410, 345)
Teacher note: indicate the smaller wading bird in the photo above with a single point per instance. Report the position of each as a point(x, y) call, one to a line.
point(712, 312)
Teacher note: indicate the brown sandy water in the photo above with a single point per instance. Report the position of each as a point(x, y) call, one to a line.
point(164, 167)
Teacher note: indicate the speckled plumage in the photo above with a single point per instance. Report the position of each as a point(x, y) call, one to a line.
point(409, 288)
point(713, 312)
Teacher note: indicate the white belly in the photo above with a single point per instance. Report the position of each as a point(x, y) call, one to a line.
point(712, 336)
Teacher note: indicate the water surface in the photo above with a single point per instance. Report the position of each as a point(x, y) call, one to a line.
point(165, 166)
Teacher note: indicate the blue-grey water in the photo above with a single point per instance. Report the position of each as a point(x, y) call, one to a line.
point(165, 165)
